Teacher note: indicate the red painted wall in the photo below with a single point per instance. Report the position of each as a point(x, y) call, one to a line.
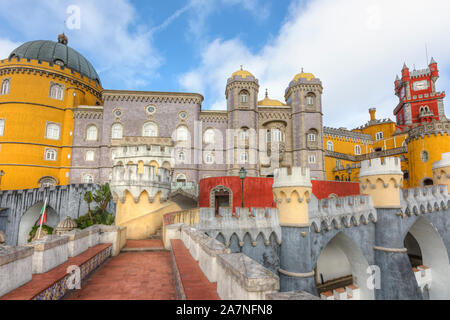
point(257, 191)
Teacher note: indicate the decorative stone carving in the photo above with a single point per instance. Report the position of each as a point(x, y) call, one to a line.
point(212, 199)
point(65, 226)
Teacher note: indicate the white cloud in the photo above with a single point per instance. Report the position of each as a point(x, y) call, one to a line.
point(120, 50)
point(6, 47)
point(355, 47)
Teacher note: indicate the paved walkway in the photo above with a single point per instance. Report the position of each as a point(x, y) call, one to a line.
point(131, 276)
point(134, 244)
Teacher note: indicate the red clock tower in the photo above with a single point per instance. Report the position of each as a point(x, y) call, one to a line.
point(419, 101)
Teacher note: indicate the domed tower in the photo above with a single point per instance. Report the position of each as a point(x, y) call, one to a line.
point(304, 95)
point(42, 82)
point(242, 103)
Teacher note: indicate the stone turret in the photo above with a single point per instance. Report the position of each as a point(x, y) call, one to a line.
point(441, 171)
point(292, 194)
point(382, 180)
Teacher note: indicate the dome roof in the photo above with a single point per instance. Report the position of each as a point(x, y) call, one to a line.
point(303, 75)
point(58, 53)
point(270, 102)
point(242, 73)
point(65, 226)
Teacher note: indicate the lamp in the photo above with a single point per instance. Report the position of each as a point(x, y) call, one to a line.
point(242, 175)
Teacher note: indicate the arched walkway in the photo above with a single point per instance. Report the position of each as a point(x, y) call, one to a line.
point(434, 255)
point(339, 259)
point(31, 217)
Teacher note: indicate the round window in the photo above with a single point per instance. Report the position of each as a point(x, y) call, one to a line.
point(151, 109)
point(183, 115)
point(117, 113)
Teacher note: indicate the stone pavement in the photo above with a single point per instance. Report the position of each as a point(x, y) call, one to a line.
point(131, 276)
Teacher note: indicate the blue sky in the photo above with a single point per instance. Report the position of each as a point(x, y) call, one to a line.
point(356, 47)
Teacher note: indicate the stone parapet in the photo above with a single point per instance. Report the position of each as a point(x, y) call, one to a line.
point(49, 252)
point(299, 177)
point(115, 235)
point(341, 212)
point(79, 241)
point(417, 201)
point(256, 221)
point(390, 166)
point(241, 278)
point(15, 267)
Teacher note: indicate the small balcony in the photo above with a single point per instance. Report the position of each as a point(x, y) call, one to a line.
point(188, 187)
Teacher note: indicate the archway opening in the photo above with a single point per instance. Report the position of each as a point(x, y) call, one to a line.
point(342, 266)
point(222, 200)
point(433, 274)
point(428, 182)
point(31, 218)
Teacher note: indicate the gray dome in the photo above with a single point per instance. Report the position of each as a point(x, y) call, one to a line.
point(58, 53)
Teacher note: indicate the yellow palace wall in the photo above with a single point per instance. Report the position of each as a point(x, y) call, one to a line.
point(27, 109)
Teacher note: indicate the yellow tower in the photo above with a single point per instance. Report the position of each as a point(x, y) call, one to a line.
point(292, 193)
point(42, 82)
point(382, 180)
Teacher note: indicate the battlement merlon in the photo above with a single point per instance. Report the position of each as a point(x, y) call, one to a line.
point(390, 166)
point(299, 177)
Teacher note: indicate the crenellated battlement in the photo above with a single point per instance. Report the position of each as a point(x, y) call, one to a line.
point(390, 166)
point(341, 212)
point(298, 177)
point(417, 201)
point(254, 221)
point(135, 180)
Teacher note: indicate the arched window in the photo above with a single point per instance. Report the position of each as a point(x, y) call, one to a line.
point(56, 91)
point(311, 137)
point(50, 154)
point(277, 135)
point(244, 157)
point(52, 131)
point(6, 84)
point(310, 99)
point(244, 96)
point(88, 178)
point(243, 134)
point(182, 133)
point(330, 146)
point(117, 131)
point(312, 158)
point(90, 155)
point(181, 156)
point(150, 129)
point(424, 156)
point(181, 178)
point(2, 127)
point(357, 150)
point(91, 133)
point(46, 182)
point(209, 136)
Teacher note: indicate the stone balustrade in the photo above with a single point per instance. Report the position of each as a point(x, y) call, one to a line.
point(18, 264)
point(237, 276)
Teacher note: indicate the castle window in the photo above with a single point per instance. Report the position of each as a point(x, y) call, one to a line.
point(91, 133)
point(209, 136)
point(209, 159)
point(424, 156)
point(244, 96)
point(88, 178)
point(311, 137)
point(181, 178)
point(50, 154)
point(243, 135)
point(357, 150)
point(277, 135)
point(244, 157)
point(379, 136)
point(117, 131)
point(182, 133)
point(2, 127)
point(312, 158)
point(52, 131)
point(310, 99)
point(181, 156)
point(47, 182)
point(90, 155)
point(56, 91)
point(6, 84)
point(150, 129)
point(330, 146)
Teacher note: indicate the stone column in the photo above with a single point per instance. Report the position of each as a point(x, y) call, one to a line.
point(382, 181)
point(292, 193)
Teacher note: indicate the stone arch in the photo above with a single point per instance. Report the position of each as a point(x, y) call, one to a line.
point(220, 189)
point(31, 217)
point(342, 255)
point(434, 256)
point(221, 238)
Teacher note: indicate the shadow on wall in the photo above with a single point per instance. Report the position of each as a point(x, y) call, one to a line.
point(31, 217)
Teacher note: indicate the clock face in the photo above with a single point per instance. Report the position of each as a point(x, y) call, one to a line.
point(420, 85)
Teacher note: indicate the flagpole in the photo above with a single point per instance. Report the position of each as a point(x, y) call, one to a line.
point(42, 218)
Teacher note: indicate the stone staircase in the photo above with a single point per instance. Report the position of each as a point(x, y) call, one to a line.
point(152, 244)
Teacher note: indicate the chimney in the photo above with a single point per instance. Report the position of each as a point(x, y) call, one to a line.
point(372, 112)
